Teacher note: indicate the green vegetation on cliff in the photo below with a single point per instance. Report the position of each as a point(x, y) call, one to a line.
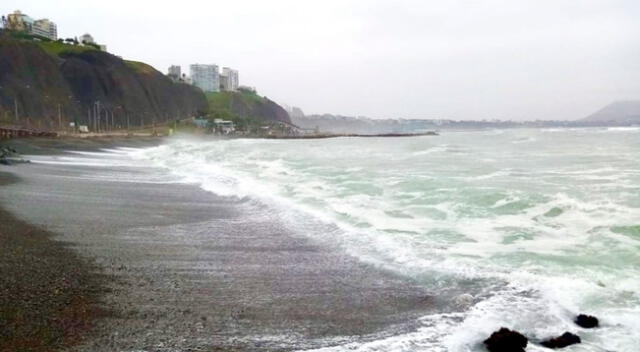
point(56, 48)
point(140, 67)
point(246, 109)
point(51, 83)
point(52, 47)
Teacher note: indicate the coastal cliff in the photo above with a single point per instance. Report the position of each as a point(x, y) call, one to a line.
point(48, 80)
point(245, 106)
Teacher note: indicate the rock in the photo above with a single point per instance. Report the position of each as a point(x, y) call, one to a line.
point(566, 339)
point(505, 340)
point(587, 321)
point(463, 301)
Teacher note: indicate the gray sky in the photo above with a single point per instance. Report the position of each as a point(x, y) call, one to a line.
point(506, 59)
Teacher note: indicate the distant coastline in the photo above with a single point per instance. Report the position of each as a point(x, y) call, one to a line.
point(355, 135)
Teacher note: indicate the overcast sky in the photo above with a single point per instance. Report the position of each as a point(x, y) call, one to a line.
point(547, 59)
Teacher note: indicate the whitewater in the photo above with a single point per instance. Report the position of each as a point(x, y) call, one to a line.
point(526, 227)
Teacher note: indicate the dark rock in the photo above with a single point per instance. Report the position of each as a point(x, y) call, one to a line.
point(587, 321)
point(505, 340)
point(566, 339)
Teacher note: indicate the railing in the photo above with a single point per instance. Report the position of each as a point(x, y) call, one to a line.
point(15, 132)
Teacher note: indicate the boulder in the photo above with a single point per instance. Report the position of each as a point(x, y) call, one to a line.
point(505, 340)
point(463, 301)
point(564, 340)
point(587, 321)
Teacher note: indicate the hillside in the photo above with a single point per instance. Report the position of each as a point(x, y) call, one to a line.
point(245, 108)
point(45, 78)
point(620, 112)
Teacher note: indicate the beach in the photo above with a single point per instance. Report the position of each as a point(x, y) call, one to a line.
point(186, 270)
point(49, 294)
point(377, 244)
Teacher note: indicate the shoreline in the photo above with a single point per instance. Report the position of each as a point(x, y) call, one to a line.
point(58, 305)
point(230, 280)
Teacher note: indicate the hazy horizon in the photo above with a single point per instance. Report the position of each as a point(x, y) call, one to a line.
point(385, 59)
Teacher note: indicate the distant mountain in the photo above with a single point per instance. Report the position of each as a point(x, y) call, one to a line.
point(619, 112)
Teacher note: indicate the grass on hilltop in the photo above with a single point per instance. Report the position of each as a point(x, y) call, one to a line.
point(51, 47)
point(140, 67)
point(57, 48)
point(224, 100)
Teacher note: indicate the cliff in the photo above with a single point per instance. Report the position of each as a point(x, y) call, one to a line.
point(246, 106)
point(45, 78)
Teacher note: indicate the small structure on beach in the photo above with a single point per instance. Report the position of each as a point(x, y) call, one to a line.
point(224, 126)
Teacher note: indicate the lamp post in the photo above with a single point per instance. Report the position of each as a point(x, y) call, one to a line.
point(15, 104)
point(96, 116)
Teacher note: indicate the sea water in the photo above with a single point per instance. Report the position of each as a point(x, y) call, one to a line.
point(532, 226)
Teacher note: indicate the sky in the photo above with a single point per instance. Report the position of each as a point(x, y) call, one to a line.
point(463, 60)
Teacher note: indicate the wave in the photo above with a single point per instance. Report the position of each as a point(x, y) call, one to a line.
point(543, 251)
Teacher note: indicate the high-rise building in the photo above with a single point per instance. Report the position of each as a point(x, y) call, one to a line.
point(224, 82)
point(229, 79)
point(20, 22)
point(175, 73)
point(205, 77)
point(45, 28)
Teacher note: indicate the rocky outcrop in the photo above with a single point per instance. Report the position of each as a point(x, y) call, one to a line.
point(587, 321)
point(71, 83)
point(564, 340)
point(505, 340)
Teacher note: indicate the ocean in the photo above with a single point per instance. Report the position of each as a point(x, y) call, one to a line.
point(522, 228)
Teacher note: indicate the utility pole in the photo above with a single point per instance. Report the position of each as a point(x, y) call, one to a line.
point(59, 117)
point(15, 103)
point(97, 116)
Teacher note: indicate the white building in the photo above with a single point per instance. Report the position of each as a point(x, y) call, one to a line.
point(18, 21)
point(175, 72)
point(229, 79)
point(224, 126)
point(248, 89)
point(205, 77)
point(86, 39)
point(45, 28)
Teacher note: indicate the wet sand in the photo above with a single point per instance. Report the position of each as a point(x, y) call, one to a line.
point(191, 271)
